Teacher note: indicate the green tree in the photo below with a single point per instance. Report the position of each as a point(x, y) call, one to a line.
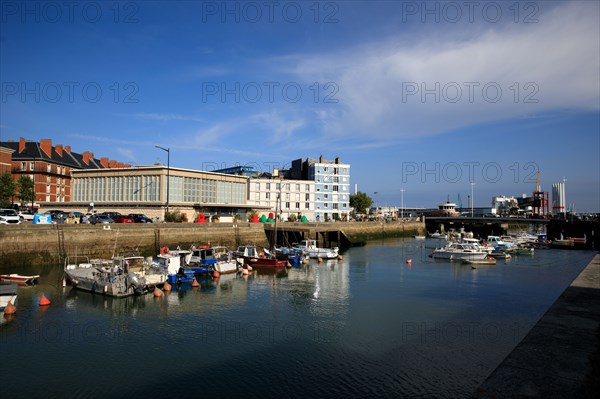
point(7, 189)
point(25, 188)
point(360, 202)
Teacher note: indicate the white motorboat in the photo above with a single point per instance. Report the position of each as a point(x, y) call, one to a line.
point(459, 251)
point(8, 293)
point(310, 249)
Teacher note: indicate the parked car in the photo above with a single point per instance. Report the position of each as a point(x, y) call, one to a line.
point(111, 214)
point(26, 215)
point(100, 218)
point(123, 219)
point(140, 218)
point(9, 216)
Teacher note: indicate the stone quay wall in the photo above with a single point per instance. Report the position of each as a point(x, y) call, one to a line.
point(28, 245)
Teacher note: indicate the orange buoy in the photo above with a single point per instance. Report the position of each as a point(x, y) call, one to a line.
point(340, 257)
point(195, 283)
point(249, 268)
point(157, 293)
point(10, 308)
point(44, 301)
point(164, 250)
point(167, 287)
point(409, 261)
point(216, 274)
point(320, 260)
point(245, 272)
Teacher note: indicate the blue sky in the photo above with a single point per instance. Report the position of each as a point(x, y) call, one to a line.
point(425, 97)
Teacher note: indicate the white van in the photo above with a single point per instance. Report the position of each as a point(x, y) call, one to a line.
point(9, 216)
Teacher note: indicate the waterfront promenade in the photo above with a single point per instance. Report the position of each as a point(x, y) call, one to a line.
point(560, 356)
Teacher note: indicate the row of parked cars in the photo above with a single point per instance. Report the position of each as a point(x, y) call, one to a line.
point(10, 216)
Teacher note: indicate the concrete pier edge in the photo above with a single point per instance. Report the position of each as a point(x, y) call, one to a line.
point(559, 357)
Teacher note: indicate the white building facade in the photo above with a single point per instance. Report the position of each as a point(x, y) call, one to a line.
point(296, 197)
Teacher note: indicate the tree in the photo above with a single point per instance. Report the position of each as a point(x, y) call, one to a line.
point(360, 202)
point(25, 187)
point(7, 190)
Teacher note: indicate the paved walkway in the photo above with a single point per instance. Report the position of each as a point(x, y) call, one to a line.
point(553, 360)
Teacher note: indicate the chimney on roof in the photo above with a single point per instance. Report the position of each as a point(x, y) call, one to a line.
point(104, 162)
point(321, 158)
point(112, 164)
point(59, 149)
point(86, 156)
point(68, 149)
point(46, 146)
point(337, 159)
point(21, 145)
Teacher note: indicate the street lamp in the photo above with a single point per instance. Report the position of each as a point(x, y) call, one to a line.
point(472, 198)
point(168, 151)
point(402, 203)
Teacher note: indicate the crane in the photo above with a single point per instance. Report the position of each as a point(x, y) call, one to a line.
point(540, 199)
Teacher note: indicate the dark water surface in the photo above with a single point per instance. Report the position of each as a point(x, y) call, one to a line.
point(369, 325)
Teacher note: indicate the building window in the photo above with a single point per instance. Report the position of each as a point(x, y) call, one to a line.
point(306, 205)
point(297, 187)
point(325, 169)
point(297, 205)
point(287, 187)
point(327, 187)
point(257, 186)
point(326, 196)
point(268, 186)
point(287, 205)
point(307, 197)
point(308, 187)
point(23, 165)
point(325, 205)
point(268, 195)
point(335, 188)
point(335, 206)
point(278, 186)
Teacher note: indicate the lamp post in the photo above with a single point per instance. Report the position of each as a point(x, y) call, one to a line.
point(472, 198)
point(402, 203)
point(168, 151)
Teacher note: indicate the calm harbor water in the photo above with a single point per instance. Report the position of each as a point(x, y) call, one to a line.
point(370, 325)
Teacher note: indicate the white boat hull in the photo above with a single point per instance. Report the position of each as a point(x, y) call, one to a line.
point(226, 267)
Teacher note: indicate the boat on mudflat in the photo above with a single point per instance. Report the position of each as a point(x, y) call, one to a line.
point(18, 278)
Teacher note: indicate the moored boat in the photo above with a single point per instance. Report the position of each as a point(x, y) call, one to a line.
point(18, 278)
point(459, 251)
point(250, 257)
point(309, 248)
point(125, 276)
point(8, 293)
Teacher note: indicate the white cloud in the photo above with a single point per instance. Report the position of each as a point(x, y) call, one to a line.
point(554, 62)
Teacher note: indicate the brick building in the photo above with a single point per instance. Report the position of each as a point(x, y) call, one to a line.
point(49, 167)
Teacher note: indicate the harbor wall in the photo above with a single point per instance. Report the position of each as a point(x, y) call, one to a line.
point(27, 244)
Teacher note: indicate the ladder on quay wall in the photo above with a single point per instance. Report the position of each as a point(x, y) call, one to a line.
point(61, 243)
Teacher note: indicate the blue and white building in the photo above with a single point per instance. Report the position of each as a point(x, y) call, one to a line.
point(332, 186)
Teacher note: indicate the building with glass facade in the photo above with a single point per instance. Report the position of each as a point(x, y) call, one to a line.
point(145, 187)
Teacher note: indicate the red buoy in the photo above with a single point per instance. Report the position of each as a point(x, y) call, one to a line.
point(320, 260)
point(157, 293)
point(340, 257)
point(44, 301)
point(167, 287)
point(409, 261)
point(195, 283)
point(215, 274)
point(10, 308)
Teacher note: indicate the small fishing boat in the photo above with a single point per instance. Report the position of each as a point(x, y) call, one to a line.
point(124, 276)
point(419, 237)
point(486, 261)
point(8, 293)
point(249, 256)
point(18, 278)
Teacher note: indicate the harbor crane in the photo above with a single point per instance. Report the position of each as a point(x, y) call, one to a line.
point(540, 200)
